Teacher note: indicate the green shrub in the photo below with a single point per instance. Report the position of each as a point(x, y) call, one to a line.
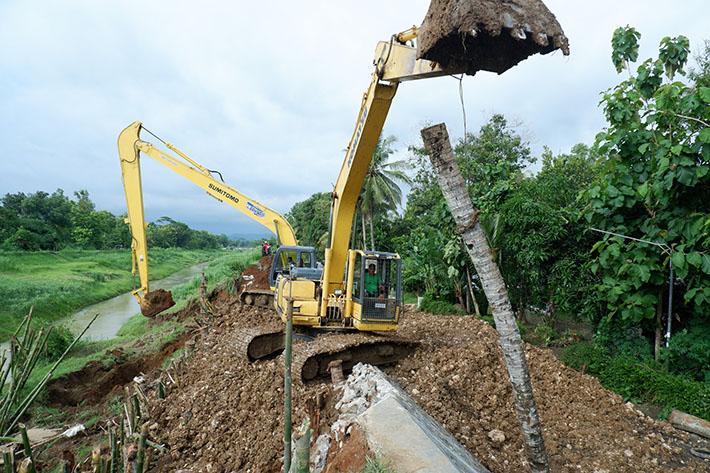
point(640, 380)
point(58, 341)
point(619, 336)
point(546, 333)
point(438, 307)
point(688, 352)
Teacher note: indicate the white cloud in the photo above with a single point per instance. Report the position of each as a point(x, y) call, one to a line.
point(266, 93)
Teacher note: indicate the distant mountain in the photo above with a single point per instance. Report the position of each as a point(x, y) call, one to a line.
point(250, 236)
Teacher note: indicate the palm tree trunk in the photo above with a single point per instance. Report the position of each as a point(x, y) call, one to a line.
point(372, 230)
point(438, 147)
point(364, 233)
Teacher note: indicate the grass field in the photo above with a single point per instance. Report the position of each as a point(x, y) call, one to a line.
point(59, 283)
point(223, 267)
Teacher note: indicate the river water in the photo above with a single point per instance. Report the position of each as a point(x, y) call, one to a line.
point(114, 312)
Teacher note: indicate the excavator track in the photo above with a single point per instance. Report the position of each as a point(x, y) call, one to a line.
point(259, 343)
point(312, 356)
point(311, 360)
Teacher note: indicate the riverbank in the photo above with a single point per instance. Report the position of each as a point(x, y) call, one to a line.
point(140, 340)
point(59, 283)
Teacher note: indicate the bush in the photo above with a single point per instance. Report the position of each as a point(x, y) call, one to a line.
point(688, 353)
point(438, 307)
point(58, 341)
point(617, 336)
point(640, 380)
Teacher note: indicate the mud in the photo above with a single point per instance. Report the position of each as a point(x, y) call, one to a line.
point(226, 414)
point(156, 301)
point(253, 284)
point(488, 35)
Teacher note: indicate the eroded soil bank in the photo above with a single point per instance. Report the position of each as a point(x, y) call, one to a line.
point(225, 413)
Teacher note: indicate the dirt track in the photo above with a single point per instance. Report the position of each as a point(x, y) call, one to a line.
point(226, 415)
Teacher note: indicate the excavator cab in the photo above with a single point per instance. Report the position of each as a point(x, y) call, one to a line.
point(376, 289)
point(294, 259)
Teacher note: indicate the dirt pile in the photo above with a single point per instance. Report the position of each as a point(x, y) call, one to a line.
point(487, 35)
point(156, 301)
point(256, 276)
point(226, 415)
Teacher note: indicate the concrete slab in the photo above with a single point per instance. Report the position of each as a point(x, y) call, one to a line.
point(404, 434)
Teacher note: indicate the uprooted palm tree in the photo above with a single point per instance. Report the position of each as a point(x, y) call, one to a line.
point(380, 192)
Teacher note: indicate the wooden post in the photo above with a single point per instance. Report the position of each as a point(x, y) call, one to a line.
point(287, 384)
point(438, 147)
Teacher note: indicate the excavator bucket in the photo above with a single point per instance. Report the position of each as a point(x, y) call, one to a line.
point(488, 35)
point(156, 301)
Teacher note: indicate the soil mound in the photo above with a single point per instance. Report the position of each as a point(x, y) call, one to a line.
point(156, 301)
point(488, 35)
point(256, 276)
point(227, 413)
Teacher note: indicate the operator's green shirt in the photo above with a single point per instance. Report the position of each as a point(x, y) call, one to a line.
point(372, 282)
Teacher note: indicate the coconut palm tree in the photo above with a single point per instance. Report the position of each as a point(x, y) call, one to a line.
point(438, 146)
point(380, 190)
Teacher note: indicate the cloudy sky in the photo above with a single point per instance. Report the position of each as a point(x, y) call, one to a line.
point(268, 92)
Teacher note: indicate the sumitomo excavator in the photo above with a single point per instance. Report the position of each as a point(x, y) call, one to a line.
point(130, 148)
point(360, 290)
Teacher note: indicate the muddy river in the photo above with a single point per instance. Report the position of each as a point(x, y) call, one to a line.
point(116, 311)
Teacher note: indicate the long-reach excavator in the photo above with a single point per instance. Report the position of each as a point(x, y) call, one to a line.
point(359, 290)
point(130, 147)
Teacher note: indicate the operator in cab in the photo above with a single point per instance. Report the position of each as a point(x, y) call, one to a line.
point(373, 283)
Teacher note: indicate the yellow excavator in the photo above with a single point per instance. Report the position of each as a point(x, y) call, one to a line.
point(360, 290)
point(130, 148)
point(343, 294)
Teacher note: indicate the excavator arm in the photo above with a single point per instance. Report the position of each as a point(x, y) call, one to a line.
point(394, 62)
point(130, 147)
point(397, 61)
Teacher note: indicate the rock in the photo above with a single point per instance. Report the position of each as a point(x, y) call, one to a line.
point(496, 436)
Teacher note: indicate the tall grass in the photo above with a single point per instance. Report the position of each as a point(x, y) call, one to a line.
point(59, 283)
point(225, 267)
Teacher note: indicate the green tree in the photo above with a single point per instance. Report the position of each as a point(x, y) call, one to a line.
point(310, 218)
point(544, 243)
point(491, 162)
point(653, 185)
point(44, 215)
point(380, 192)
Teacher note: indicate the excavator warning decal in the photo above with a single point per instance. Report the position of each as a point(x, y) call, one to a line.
point(255, 210)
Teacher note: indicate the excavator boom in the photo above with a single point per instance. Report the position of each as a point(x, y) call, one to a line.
point(520, 30)
point(130, 147)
